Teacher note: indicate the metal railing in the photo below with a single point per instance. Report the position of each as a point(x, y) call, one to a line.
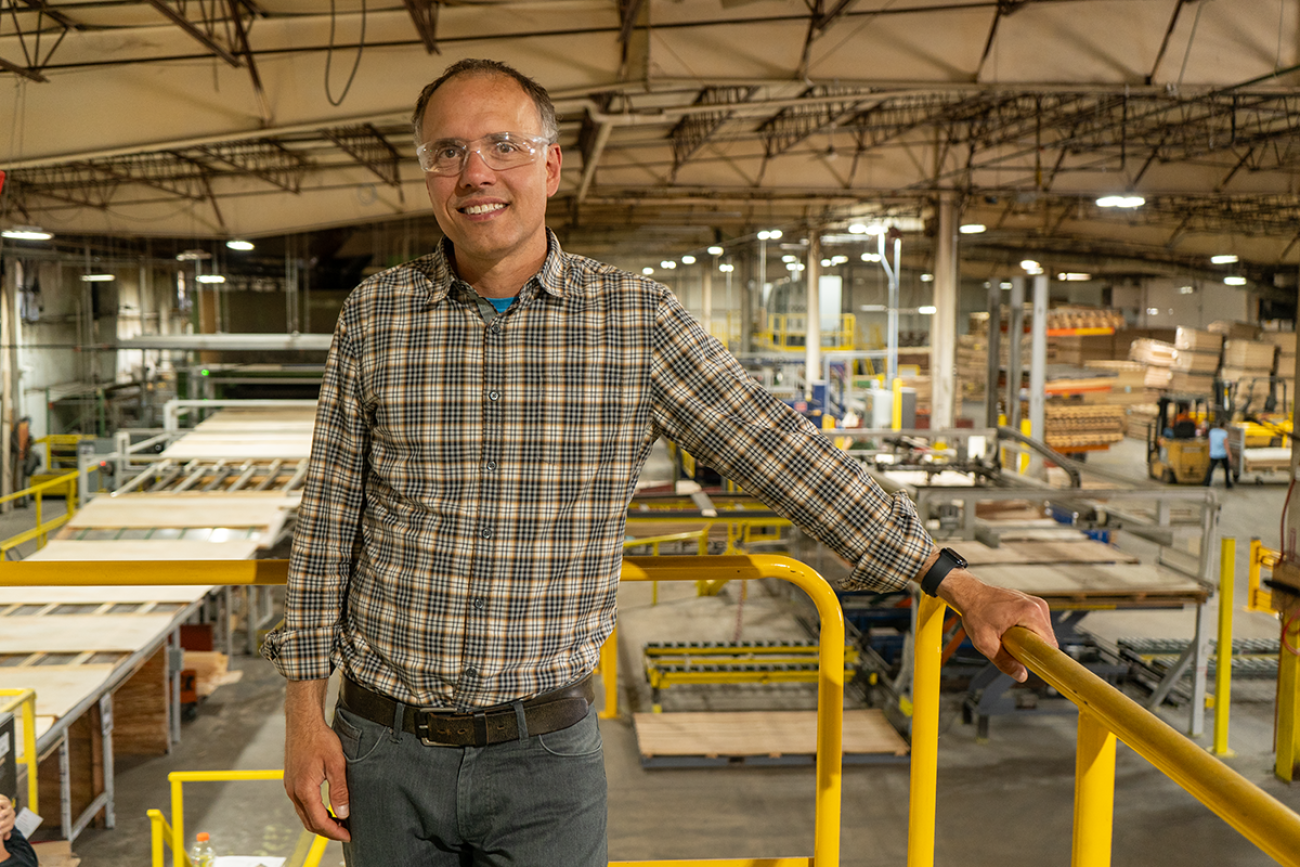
point(42, 528)
point(26, 698)
point(1105, 714)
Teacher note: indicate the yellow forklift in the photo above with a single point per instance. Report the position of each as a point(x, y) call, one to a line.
point(1176, 452)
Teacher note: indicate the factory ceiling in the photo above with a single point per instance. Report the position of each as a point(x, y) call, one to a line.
point(682, 121)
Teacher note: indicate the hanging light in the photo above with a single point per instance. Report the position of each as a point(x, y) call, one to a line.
point(1121, 202)
point(237, 244)
point(688, 259)
point(715, 250)
point(1234, 281)
point(1224, 259)
point(211, 278)
point(647, 270)
point(27, 233)
point(726, 267)
point(927, 310)
point(973, 228)
point(97, 278)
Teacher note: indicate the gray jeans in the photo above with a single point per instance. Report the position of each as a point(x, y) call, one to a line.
point(535, 802)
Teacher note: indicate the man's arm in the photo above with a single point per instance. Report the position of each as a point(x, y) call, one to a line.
point(987, 612)
point(312, 756)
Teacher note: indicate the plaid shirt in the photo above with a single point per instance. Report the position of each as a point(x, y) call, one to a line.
point(460, 535)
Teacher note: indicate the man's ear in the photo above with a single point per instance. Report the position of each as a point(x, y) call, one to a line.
point(553, 160)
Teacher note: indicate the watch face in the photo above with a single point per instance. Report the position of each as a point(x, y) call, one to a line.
point(959, 559)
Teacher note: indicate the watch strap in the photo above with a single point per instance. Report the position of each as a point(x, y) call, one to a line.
point(948, 560)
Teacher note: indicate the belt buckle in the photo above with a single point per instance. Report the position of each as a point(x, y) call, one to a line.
point(423, 727)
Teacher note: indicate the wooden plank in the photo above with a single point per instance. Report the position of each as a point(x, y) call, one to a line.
point(1087, 551)
point(75, 633)
point(140, 710)
point(759, 733)
point(266, 511)
point(1081, 582)
point(146, 549)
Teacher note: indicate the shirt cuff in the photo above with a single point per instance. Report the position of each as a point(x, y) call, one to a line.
point(302, 654)
point(897, 553)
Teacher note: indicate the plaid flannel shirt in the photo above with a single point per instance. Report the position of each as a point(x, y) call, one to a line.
point(460, 535)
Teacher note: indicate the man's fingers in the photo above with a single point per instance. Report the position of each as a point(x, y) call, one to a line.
point(315, 818)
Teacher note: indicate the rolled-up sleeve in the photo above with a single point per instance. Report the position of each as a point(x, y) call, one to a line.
point(706, 402)
point(329, 521)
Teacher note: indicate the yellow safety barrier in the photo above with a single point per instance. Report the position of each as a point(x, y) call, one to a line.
point(830, 684)
point(1258, 598)
point(174, 835)
point(43, 528)
point(1223, 663)
point(27, 699)
point(1104, 715)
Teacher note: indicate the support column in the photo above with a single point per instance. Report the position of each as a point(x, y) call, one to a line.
point(943, 324)
point(1038, 361)
point(1015, 330)
point(706, 293)
point(747, 288)
point(994, 362)
point(813, 341)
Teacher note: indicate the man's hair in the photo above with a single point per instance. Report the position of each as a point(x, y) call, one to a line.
point(472, 66)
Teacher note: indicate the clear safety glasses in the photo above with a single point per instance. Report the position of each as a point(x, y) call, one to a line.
point(499, 151)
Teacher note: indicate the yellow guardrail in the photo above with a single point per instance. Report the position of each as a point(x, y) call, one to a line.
point(26, 698)
point(67, 481)
point(162, 834)
point(830, 683)
point(1258, 598)
point(1105, 714)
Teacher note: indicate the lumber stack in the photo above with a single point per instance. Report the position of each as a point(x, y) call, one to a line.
point(1073, 425)
point(1247, 360)
point(1140, 417)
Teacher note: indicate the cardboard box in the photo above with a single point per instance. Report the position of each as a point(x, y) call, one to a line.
point(1234, 330)
point(1191, 383)
point(1187, 361)
point(1198, 341)
point(1248, 355)
point(1150, 351)
point(1284, 340)
point(1157, 377)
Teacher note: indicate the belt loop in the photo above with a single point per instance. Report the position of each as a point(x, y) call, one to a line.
point(399, 722)
point(522, 718)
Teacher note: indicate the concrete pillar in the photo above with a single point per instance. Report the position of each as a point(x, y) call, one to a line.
point(706, 294)
point(994, 364)
point(813, 343)
point(1015, 330)
point(943, 324)
point(1038, 360)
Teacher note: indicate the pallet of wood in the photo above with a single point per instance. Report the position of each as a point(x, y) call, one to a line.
point(1152, 352)
point(1249, 355)
point(1198, 341)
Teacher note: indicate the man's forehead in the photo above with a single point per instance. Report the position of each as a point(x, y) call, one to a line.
point(477, 97)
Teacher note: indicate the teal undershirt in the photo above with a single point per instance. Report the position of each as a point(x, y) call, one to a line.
point(501, 304)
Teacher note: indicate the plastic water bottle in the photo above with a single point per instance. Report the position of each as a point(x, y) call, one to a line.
point(201, 853)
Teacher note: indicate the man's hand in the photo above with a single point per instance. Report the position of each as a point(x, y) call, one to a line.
point(6, 825)
point(987, 612)
point(313, 755)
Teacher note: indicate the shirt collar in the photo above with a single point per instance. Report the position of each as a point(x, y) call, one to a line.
point(441, 271)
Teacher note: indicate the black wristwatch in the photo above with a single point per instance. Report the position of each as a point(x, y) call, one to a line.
point(948, 561)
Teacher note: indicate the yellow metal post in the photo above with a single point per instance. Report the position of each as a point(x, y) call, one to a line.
point(1223, 664)
point(896, 417)
point(1094, 793)
point(25, 699)
point(178, 821)
point(609, 674)
point(925, 731)
point(156, 838)
point(1288, 696)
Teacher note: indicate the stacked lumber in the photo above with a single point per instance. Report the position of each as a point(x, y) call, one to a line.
point(1247, 360)
point(1198, 341)
point(1138, 418)
point(1234, 330)
point(1285, 365)
point(972, 365)
point(1073, 425)
point(1079, 349)
point(1128, 387)
point(1084, 317)
point(1152, 352)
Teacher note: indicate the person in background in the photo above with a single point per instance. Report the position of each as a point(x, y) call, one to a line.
point(485, 413)
point(15, 851)
point(1219, 454)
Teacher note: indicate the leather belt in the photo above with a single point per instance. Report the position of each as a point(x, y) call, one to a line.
point(543, 714)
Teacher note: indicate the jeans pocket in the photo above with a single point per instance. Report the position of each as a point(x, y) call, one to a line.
point(359, 737)
point(580, 739)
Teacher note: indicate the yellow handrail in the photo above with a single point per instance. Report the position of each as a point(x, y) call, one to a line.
point(42, 528)
point(1106, 713)
point(830, 684)
point(26, 698)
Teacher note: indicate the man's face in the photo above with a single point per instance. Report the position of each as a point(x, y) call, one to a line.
point(492, 216)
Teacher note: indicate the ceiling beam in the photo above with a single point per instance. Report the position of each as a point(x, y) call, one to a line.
point(30, 74)
point(424, 15)
point(185, 24)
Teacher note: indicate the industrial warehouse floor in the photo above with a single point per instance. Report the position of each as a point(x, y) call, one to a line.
point(1007, 801)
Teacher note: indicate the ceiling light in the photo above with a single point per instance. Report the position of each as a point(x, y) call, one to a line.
point(668, 264)
point(1234, 281)
point(926, 278)
point(870, 257)
point(1005, 284)
point(97, 278)
point(715, 251)
point(1030, 265)
point(857, 228)
point(1153, 311)
point(1121, 202)
point(973, 228)
point(794, 266)
point(27, 233)
point(726, 267)
point(927, 310)
point(688, 259)
point(1186, 290)
point(1073, 276)
point(769, 235)
point(826, 263)
point(1225, 259)
point(236, 244)
point(788, 258)
point(211, 278)
point(193, 255)
point(647, 270)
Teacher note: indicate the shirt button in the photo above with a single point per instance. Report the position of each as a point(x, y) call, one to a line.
point(491, 465)
point(478, 604)
point(492, 395)
point(471, 671)
point(486, 533)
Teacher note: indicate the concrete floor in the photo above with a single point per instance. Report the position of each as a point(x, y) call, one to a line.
point(1005, 801)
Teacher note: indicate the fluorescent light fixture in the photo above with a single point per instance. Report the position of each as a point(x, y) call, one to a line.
point(1073, 276)
point(927, 310)
point(839, 260)
point(927, 278)
point(1005, 284)
point(1225, 259)
point(668, 264)
point(826, 263)
point(794, 266)
point(1121, 202)
point(647, 270)
point(715, 251)
point(1234, 281)
point(27, 233)
point(1030, 265)
point(857, 228)
point(1153, 311)
point(1186, 290)
point(236, 244)
point(97, 278)
point(870, 257)
point(726, 267)
point(769, 235)
point(973, 229)
point(211, 278)
point(789, 258)
point(688, 259)
point(193, 255)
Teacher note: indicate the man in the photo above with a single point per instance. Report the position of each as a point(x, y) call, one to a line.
point(484, 415)
point(1219, 454)
point(15, 851)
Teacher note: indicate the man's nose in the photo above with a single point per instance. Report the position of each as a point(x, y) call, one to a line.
point(475, 169)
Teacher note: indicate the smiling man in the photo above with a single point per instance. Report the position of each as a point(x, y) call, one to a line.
point(485, 413)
